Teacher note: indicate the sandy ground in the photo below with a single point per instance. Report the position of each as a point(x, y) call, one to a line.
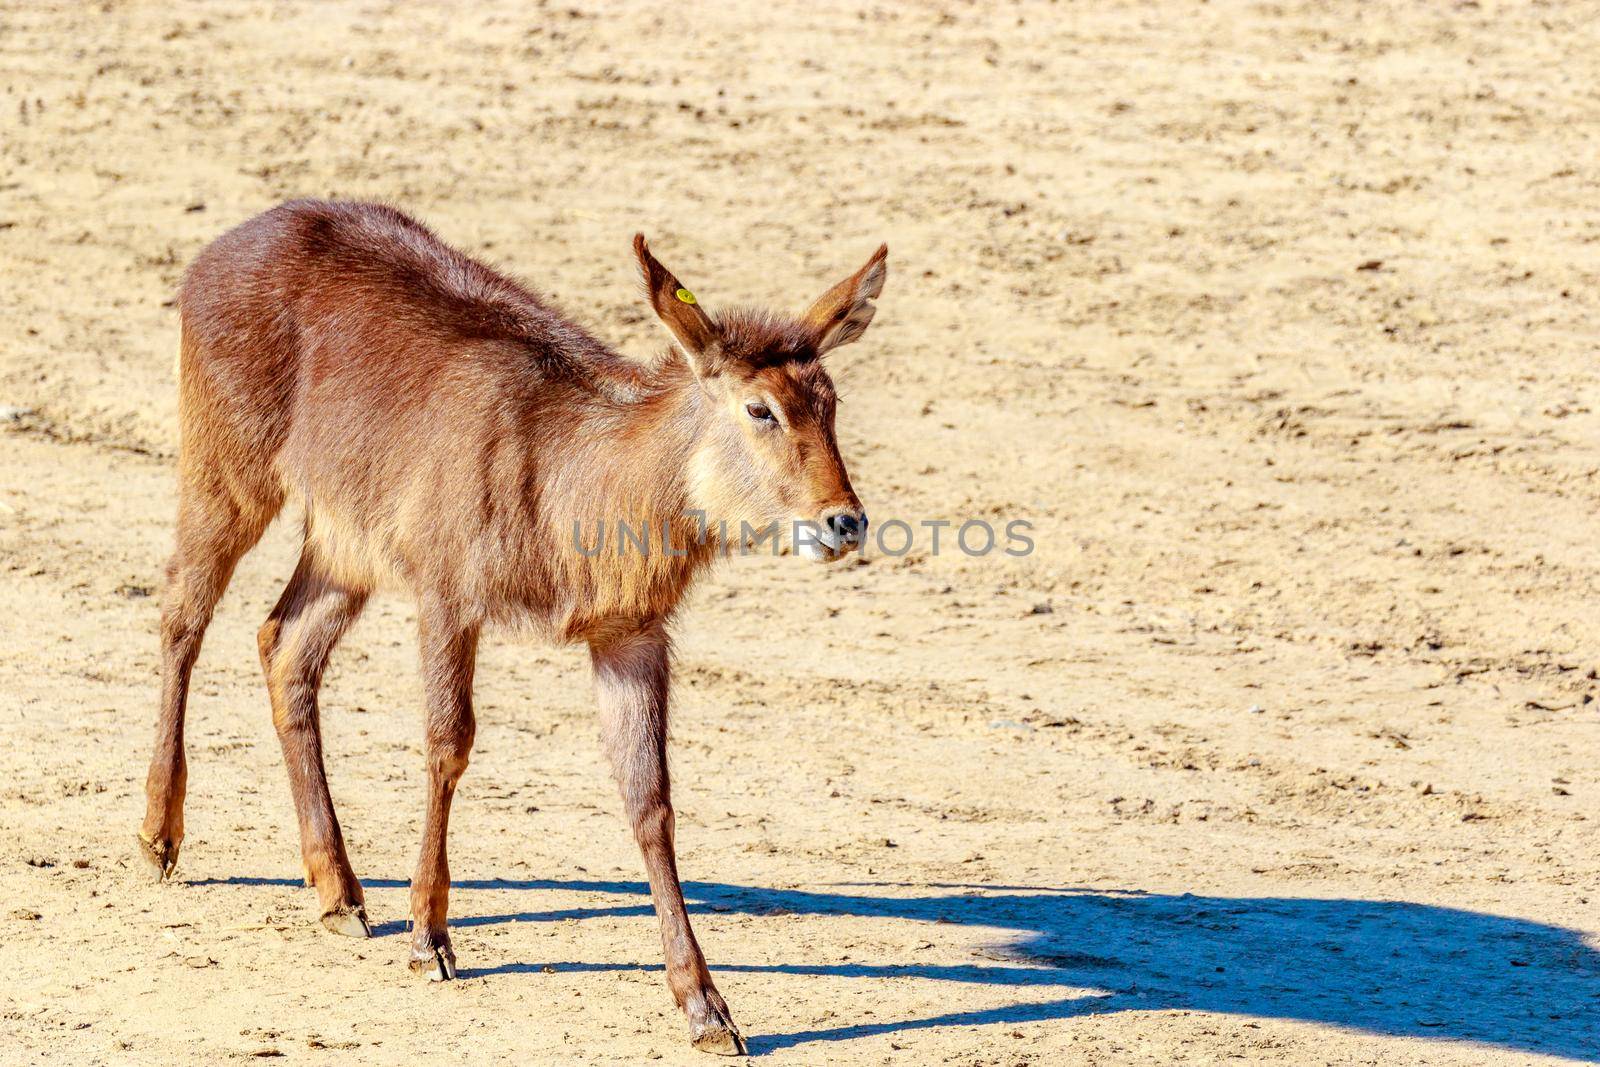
point(1277, 320)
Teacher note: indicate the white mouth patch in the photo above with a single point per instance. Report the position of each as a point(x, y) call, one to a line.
point(814, 541)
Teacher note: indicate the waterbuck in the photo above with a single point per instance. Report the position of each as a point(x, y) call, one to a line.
point(447, 431)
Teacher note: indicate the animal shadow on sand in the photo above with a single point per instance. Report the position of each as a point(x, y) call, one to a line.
point(1383, 967)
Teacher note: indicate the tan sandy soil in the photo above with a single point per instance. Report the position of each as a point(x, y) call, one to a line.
point(1277, 320)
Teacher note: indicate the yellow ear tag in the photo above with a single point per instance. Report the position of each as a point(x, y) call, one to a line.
point(686, 296)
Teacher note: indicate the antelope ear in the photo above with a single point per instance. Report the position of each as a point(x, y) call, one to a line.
point(841, 314)
point(679, 311)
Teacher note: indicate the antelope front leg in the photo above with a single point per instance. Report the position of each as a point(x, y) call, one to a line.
point(631, 677)
point(449, 652)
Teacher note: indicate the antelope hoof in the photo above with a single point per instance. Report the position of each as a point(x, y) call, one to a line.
point(436, 964)
point(720, 1042)
point(160, 857)
point(717, 1034)
point(349, 920)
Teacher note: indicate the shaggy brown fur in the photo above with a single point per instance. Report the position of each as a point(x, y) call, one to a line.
point(448, 432)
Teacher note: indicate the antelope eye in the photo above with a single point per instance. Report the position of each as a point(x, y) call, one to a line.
point(759, 412)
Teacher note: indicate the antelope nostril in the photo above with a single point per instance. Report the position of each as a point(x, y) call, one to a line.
point(847, 527)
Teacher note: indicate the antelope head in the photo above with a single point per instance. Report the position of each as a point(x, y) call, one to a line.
point(768, 455)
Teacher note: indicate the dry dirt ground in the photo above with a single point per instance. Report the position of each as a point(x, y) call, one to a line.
point(1276, 320)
